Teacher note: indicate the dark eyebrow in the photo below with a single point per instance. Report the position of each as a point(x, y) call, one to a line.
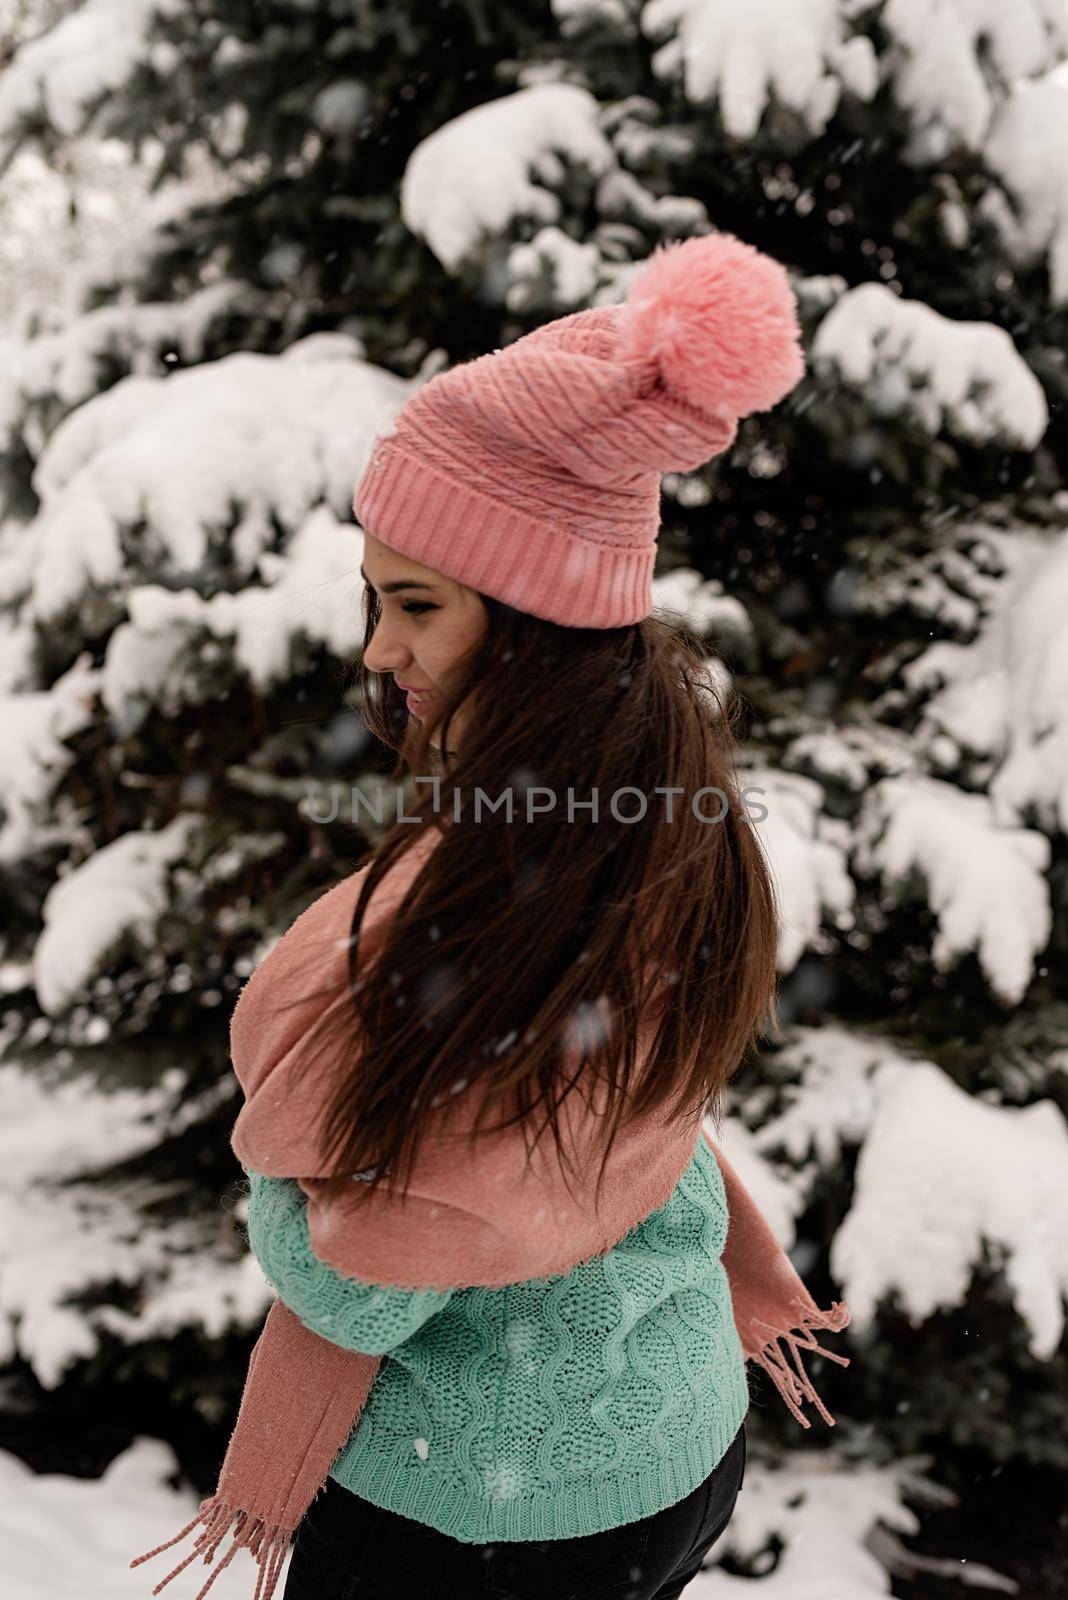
point(400, 583)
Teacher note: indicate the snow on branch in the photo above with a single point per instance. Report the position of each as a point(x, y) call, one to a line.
point(301, 598)
point(62, 76)
point(62, 1234)
point(478, 172)
point(1028, 151)
point(120, 889)
point(953, 583)
point(143, 481)
point(1004, 697)
point(940, 1173)
point(749, 55)
point(985, 884)
point(953, 61)
point(827, 1099)
point(67, 365)
point(700, 604)
point(806, 853)
point(569, 270)
point(834, 1523)
point(36, 758)
point(949, 63)
point(849, 756)
point(966, 377)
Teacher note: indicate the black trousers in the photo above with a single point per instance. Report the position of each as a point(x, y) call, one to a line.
point(347, 1549)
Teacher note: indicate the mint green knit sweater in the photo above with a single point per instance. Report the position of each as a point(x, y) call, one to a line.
point(547, 1409)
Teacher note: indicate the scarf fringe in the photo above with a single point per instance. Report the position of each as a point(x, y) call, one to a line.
point(796, 1387)
point(267, 1545)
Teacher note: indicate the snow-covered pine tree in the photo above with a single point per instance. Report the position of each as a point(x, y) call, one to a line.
point(878, 569)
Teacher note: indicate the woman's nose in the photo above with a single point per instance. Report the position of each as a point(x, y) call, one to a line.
point(383, 654)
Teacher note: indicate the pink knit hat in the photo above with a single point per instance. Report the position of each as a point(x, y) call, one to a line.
point(533, 474)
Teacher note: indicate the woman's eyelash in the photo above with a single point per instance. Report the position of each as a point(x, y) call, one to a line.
point(418, 605)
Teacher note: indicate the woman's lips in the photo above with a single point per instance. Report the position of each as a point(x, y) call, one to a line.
point(416, 700)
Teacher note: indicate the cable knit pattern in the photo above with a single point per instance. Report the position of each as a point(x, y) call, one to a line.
point(547, 1409)
point(358, 1316)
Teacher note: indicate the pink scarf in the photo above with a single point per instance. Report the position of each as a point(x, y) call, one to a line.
point(484, 1221)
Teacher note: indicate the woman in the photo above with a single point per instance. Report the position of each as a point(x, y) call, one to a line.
point(532, 1362)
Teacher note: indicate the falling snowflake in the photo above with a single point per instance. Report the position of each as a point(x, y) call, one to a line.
point(519, 1337)
point(504, 1480)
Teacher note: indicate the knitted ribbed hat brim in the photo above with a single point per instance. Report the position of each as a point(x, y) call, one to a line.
point(526, 562)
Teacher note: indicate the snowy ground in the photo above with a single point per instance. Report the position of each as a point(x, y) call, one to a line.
point(61, 1536)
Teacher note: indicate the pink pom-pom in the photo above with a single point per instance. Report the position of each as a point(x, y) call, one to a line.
point(719, 320)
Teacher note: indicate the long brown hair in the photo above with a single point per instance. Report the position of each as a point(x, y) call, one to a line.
point(497, 963)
